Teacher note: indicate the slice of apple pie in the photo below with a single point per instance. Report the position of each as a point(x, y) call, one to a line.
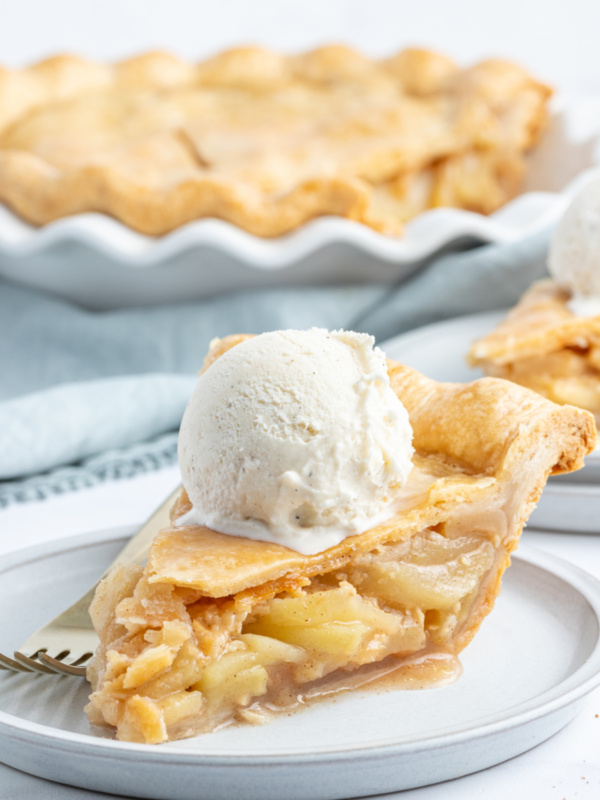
point(544, 345)
point(219, 628)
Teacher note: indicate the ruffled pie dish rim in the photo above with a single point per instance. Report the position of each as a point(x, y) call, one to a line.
point(424, 236)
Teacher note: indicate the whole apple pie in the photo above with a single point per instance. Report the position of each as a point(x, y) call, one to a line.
point(265, 141)
point(222, 628)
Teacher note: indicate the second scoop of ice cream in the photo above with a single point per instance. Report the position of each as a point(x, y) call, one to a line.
point(574, 257)
point(295, 437)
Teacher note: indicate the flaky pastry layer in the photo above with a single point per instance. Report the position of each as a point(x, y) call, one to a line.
point(262, 140)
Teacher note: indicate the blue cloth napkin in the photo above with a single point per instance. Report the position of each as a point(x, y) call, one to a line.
point(86, 396)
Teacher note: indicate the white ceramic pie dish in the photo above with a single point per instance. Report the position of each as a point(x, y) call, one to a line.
point(98, 262)
point(360, 744)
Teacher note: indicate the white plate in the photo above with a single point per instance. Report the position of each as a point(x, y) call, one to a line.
point(569, 502)
point(99, 262)
point(525, 673)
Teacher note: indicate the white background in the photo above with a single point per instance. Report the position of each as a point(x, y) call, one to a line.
point(558, 41)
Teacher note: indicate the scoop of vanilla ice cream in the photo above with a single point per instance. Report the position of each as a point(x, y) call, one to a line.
point(295, 437)
point(574, 257)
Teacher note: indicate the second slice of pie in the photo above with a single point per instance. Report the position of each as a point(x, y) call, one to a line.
point(550, 341)
point(219, 629)
point(543, 345)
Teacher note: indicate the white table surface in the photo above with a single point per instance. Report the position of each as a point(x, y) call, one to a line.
point(558, 41)
point(565, 766)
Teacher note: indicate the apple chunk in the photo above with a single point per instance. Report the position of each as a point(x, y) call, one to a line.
point(436, 573)
point(334, 622)
point(234, 678)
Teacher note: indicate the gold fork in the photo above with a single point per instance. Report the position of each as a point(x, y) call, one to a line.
point(71, 636)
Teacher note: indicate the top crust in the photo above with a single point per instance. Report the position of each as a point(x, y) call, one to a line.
point(483, 453)
point(263, 140)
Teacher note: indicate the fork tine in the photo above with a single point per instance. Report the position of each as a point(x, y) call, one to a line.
point(9, 663)
point(32, 664)
point(61, 667)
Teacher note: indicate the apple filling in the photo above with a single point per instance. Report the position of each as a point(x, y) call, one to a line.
point(174, 663)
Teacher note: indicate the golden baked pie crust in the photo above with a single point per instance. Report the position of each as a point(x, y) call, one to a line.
point(263, 140)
